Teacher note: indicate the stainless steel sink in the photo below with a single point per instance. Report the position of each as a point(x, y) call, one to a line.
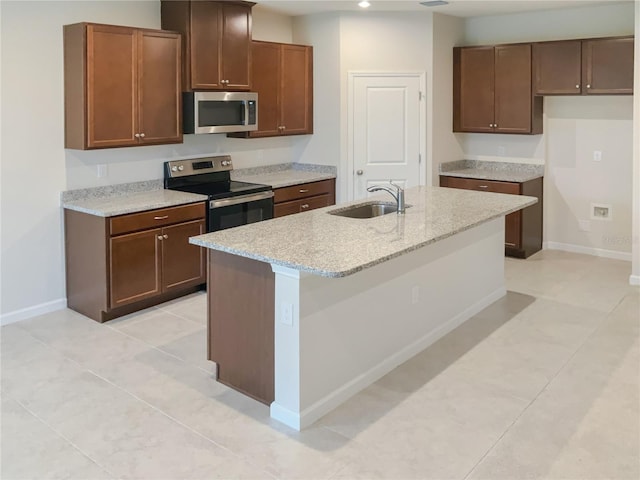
point(367, 210)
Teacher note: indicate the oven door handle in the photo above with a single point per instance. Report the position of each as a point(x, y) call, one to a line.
point(227, 202)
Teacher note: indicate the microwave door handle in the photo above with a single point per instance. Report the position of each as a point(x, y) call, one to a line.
point(227, 202)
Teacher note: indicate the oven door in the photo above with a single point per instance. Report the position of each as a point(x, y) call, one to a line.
point(241, 210)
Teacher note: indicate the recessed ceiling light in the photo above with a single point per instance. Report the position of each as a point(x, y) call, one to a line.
point(364, 4)
point(434, 3)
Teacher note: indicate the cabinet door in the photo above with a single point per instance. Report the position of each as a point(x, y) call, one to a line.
point(205, 49)
point(111, 86)
point(297, 90)
point(183, 264)
point(557, 68)
point(134, 267)
point(513, 89)
point(265, 59)
point(608, 66)
point(476, 89)
point(159, 87)
point(235, 52)
point(513, 230)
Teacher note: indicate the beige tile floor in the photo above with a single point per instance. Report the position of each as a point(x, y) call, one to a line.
point(542, 384)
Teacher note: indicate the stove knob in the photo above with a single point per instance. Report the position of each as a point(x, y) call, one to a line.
point(174, 169)
point(224, 163)
point(181, 167)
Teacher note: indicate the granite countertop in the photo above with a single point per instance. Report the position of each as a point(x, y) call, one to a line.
point(126, 198)
point(498, 171)
point(285, 175)
point(334, 246)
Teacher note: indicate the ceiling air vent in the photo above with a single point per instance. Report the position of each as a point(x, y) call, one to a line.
point(434, 3)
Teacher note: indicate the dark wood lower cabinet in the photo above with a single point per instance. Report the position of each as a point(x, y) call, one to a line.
point(117, 265)
point(304, 197)
point(523, 229)
point(241, 299)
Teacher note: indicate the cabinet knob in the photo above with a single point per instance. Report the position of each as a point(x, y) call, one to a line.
point(495, 125)
point(137, 135)
point(491, 125)
point(577, 86)
point(588, 86)
point(306, 205)
point(142, 135)
point(165, 236)
point(159, 237)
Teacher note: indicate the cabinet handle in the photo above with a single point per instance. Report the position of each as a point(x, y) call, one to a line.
point(165, 236)
point(483, 186)
point(510, 244)
point(137, 135)
point(161, 218)
point(304, 190)
point(142, 135)
point(306, 205)
point(159, 237)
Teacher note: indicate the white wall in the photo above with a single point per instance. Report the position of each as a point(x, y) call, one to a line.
point(363, 41)
point(36, 167)
point(635, 268)
point(442, 144)
point(271, 27)
point(573, 128)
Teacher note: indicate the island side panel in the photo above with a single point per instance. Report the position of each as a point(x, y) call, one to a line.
point(348, 332)
point(240, 331)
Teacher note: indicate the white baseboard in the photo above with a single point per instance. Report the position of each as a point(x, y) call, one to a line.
point(634, 279)
point(34, 311)
point(331, 401)
point(597, 252)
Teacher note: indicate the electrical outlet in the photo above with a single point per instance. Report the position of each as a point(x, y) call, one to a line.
point(597, 156)
point(415, 295)
point(101, 170)
point(286, 314)
point(600, 211)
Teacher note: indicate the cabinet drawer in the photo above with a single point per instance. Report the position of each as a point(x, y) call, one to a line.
point(480, 185)
point(303, 205)
point(303, 190)
point(156, 218)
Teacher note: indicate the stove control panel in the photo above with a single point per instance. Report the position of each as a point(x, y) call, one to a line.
point(195, 166)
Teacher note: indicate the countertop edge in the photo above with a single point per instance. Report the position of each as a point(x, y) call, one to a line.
point(351, 271)
point(124, 211)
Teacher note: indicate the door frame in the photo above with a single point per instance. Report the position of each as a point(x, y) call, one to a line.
point(352, 75)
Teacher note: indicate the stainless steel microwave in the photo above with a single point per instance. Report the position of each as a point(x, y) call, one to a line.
point(219, 112)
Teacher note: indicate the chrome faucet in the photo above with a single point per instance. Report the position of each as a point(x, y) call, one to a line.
point(398, 195)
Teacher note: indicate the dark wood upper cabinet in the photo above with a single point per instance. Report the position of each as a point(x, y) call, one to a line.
point(492, 90)
point(599, 66)
point(607, 66)
point(217, 42)
point(282, 75)
point(122, 86)
point(557, 68)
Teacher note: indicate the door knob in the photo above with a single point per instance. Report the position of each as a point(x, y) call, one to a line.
point(359, 172)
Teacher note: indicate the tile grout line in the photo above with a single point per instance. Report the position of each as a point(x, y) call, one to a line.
point(560, 370)
point(59, 434)
point(162, 412)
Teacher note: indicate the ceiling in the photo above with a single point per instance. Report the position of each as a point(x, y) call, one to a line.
point(459, 8)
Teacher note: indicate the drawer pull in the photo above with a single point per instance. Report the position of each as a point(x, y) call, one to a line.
point(164, 217)
point(165, 236)
point(304, 190)
point(159, 237)
point(483, 186)
point(510, 244)
point(306, 205)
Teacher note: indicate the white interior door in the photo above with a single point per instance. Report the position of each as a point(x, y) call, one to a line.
point(387, 130)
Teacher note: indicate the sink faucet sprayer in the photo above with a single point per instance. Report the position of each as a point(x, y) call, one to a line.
point(398, 195)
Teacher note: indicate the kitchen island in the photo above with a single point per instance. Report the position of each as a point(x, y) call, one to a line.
point(307, 310)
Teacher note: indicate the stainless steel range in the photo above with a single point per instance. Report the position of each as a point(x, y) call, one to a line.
point(231, 203)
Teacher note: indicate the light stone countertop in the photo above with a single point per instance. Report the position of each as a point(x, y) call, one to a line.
point(497, 171)
point(282, 178)
point(110, 206)
point(333, 246)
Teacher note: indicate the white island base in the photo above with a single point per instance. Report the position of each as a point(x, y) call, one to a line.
point(336, 336)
